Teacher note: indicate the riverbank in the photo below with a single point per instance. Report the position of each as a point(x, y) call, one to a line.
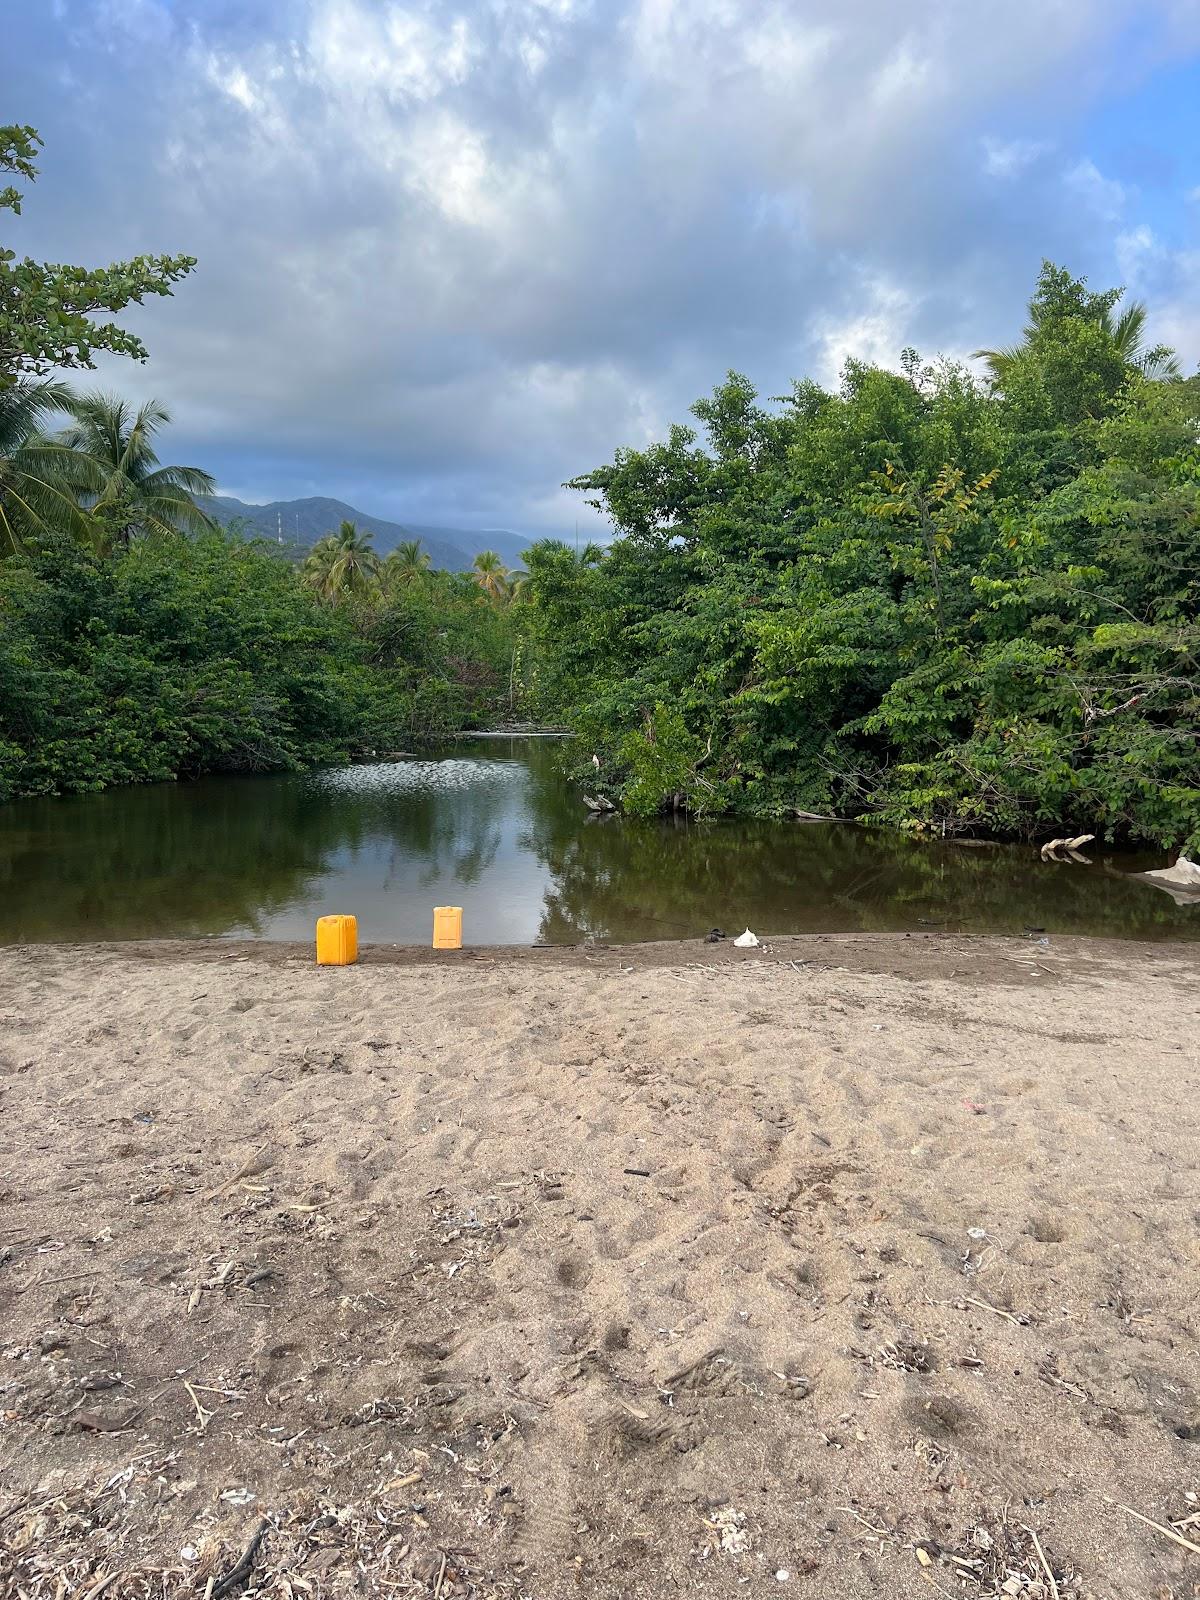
point(829, 1269)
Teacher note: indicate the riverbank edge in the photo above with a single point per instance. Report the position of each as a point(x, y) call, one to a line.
point(916, 956)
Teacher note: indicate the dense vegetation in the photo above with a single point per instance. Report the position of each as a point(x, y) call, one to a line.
point(180, 655)
point(138, 641)
point(943, 602)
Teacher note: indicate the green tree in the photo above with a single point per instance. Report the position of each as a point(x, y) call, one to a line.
point(180, 655)
point(342, 564)
point(924, 599)
point(48, 310)
point(490, 573)
point(408, 562)
point(1060, 297)
point(39, 477)
point(137, 494)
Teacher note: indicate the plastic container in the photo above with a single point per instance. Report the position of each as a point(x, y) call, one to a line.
point(447, 927)
point(337, 941)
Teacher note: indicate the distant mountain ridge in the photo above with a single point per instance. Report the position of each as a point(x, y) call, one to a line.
point(303, 522)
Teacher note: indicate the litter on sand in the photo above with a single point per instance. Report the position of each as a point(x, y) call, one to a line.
point(746, 941)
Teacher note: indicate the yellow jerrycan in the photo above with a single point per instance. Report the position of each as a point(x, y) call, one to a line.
point(337, 941)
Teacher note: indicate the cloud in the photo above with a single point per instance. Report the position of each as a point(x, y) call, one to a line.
point(1105, 196)
point(454, 251)
point(875, 332)
point(1167, 278)
point(1008, 158)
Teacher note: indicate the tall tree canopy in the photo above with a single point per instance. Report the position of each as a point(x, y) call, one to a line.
point(48, 310)
point(135, 492)
point(940, 602)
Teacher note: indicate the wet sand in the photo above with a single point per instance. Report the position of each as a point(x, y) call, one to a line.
point(841, 1268)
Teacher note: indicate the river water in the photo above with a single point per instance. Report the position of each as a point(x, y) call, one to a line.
point(491, 827)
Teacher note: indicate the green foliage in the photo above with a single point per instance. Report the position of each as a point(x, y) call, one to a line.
point(342, 566)
point(178, 656)
point(661, 760)
point(944, 604)
point(47, 310)
point(41, 479)
point(134, 493)
point(136, 642)
point(490, 573)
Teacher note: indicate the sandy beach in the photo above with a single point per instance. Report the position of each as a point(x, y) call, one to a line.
point(863, 1266)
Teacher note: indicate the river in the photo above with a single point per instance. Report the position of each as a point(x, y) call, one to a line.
point(490, 826)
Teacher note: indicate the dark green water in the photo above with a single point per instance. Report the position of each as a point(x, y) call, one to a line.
point(491, 828)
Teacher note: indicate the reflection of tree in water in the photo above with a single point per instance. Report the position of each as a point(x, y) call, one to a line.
point(162, 859)
point(202, 858)
point(447, 816)
point(230, 853)
point(618, 879)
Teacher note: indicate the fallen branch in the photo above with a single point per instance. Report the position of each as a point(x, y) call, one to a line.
point(996, 1311)
point(245, 1566)
point(204, 1416)
point(1150, 1523)
point(1037, 1545)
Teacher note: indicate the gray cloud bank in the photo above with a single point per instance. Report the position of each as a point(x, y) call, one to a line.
point(452, 254)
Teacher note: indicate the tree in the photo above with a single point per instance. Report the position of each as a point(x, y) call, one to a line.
point(943, 604)
point(342, 564)
point(137, 495)
point(47, 309)
point(1059, 296)
point(406, 563)
point(40, 478)
point(490, 573)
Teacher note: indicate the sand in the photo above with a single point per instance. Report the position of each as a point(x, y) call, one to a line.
point(828, 1270)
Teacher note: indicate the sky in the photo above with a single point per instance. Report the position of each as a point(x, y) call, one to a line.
point(452, 254)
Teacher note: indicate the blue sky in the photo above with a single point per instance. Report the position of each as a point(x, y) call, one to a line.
point(452, 254)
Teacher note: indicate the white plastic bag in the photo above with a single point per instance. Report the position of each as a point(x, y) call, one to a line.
point(746, 941)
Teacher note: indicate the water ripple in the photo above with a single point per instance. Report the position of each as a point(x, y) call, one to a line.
point(406, 777)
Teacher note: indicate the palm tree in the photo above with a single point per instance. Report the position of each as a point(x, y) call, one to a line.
point(39, 477)
point(137, 494)
point(490, 573)
point(406, 563)
point(342, 563)
point(1127, 332)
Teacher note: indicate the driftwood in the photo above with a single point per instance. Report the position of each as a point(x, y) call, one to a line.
point(1182, 881)
point(1053, 849)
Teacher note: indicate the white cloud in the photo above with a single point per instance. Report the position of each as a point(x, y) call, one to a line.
point(391, 49)
point(487, 241)
point(1104, 196)
point(876, 333)
point(1134, 249)
point(1009, 158)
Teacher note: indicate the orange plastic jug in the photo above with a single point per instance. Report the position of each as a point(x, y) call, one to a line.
point(447, 927)
point(337, 941)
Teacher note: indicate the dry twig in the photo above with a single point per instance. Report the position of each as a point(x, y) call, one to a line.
point(1041, 1554)
point(1150, 1523)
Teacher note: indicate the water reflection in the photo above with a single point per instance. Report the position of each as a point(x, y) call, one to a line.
point(492, 828)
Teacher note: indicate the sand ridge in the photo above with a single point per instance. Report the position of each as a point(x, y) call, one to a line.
point(609, 1275)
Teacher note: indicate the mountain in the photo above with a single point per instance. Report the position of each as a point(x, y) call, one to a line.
point(303, 522)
